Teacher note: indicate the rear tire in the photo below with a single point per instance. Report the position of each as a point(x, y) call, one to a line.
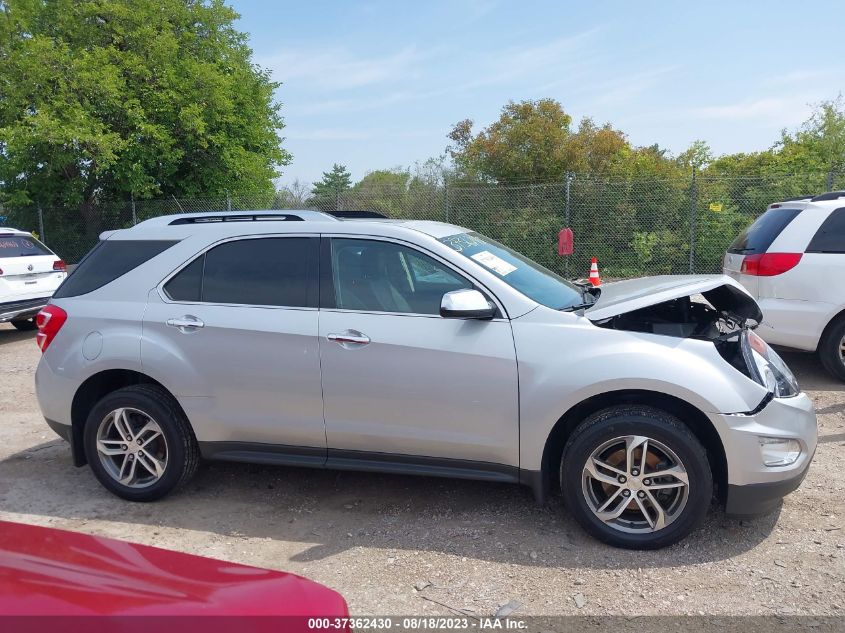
point(615, 489)
point(832, 348)
point(139, 443)
point(25, 325)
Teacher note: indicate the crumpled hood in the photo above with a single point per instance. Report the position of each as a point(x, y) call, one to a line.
point(723, 293)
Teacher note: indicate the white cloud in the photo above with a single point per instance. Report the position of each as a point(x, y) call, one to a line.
point(329, 134)
point(347, 134)
point(564, 55)
point(337, 69)
point(785, 111)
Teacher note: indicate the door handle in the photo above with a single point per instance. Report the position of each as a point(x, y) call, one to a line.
point(185, 324)
point(349, 337)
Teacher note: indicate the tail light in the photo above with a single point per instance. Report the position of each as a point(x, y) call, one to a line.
point(769, 264)
point(59, 265)
point(49, 321)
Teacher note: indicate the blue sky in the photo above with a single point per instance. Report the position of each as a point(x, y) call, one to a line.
point(379, 84)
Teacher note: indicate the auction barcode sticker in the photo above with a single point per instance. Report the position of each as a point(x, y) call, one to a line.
point(494, 263)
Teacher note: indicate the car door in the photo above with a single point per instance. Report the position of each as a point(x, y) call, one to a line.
point(401, 383)
point(234, 335)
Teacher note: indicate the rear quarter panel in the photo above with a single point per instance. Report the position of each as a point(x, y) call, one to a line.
point(98, 335)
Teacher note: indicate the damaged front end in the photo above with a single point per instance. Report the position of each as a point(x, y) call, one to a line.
point(706, 307)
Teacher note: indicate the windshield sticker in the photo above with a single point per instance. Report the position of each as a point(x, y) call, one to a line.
point(494, 263)
point(462, 241)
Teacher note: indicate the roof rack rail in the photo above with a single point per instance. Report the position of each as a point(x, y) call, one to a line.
point(358, 215)
point(830, 195)
point(246, 217)
point(796, 198)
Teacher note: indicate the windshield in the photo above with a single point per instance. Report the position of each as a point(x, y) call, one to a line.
point(526, 276)
point(21, 246)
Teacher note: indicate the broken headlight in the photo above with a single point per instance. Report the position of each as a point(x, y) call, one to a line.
point(766, 367)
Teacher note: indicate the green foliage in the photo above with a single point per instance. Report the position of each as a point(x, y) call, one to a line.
point(103, 99)
point(533, 141)
point(660, 252)
point(383, 190)
point(326, 193)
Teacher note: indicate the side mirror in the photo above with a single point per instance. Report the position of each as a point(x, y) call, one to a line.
point(466, 304)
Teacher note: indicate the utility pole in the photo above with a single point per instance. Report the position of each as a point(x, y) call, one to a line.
point(567, 216)
point(40, 223)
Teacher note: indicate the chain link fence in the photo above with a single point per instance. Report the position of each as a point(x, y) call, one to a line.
point(635, 227)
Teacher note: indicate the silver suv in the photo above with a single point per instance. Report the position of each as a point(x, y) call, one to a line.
point(417, 347)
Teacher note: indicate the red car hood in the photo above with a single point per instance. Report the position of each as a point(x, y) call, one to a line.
point(44, 571)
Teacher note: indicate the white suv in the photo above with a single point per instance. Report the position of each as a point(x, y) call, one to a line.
point(29, 274)
point(792, 260)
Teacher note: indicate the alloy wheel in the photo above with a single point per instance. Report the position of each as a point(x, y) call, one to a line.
point(635, 484)
point(842, 350)
point(132, 447)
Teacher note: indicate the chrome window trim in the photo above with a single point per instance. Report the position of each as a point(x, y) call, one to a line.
point(166, 299)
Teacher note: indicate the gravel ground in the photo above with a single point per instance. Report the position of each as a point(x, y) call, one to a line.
point(407, 545)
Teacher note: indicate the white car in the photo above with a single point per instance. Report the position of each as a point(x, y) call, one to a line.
point(29, 275)
point(792, 260)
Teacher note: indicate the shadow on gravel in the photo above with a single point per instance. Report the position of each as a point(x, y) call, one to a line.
point(11, 335)
point(810, 373)
point(329, 512)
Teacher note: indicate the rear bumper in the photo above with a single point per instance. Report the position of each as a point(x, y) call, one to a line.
point(65, 432)
point(756, 499)
point(14, 310)
point(793, 324)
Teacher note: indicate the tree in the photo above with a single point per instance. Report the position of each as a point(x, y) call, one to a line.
point(328, 190)
point(533, 141)
point(820, 142)
point(103, 99)
point(294, 196)
point(696, 156)
point(528, 142)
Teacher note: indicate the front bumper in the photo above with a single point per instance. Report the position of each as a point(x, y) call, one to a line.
point(753, 487)
point(756, 499)
point(14, 310)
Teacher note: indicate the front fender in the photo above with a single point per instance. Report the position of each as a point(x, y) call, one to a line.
point(565, 359)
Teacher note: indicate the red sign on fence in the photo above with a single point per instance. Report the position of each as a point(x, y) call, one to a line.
point(565, 243)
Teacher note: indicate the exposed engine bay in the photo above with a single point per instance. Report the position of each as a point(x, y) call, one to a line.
point(687, 317)
point(696, 316)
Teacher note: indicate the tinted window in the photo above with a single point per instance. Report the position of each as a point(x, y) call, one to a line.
point(830, 238)
point(266, 271)
point(759, 236)
point(386, 277)
point(106, 262)
point(187, 285)
point(21, 246)
point(526, 276)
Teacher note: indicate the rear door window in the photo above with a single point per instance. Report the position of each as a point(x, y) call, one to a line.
point(108, 261)
point(830, 238)
point(758, 237)
point(21, 246)
point(256, 272)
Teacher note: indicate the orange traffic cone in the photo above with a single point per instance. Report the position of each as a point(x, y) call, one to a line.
point(594, 273)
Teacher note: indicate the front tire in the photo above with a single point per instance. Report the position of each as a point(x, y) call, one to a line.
point(25, 325)
point(139, 443)
point(832, 348)
point(636, 477)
